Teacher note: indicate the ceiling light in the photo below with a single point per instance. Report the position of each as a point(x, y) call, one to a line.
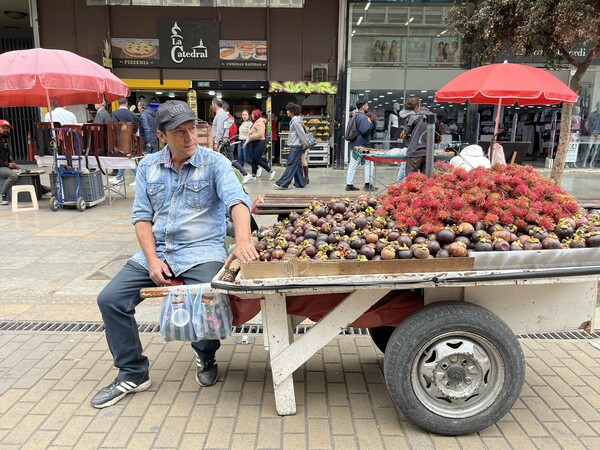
point(259, 95)
point(387, 103)
point(409, 20)
point(443, 32)
point(158, 92)
point(359, 21)
point(430, 96)
point(389, 93)
point(367, 90)
point(211, 92)
point(17, 15)
point(219, 95)
point(361, 94)
point(381, 96)
point(171, 94)
point(424, 92)
point(367, 6)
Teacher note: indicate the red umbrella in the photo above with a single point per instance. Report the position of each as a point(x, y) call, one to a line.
point(506, 84)
point(32, 77)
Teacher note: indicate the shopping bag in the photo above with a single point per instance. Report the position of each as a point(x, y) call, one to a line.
point(213, 318)
point(176, 317)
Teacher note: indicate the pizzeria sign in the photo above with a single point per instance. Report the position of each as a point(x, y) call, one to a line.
point(135, 52)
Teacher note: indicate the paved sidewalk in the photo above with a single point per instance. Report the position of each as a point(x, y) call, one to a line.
point(55, 263)
point(47, 379)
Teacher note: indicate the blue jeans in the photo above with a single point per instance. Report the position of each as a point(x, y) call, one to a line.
point(117, 303)
point(257, 150)
point(121, 173)
point(293, 169)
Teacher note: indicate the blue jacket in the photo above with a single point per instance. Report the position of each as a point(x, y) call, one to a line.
point(148, 130)
point(364, 126)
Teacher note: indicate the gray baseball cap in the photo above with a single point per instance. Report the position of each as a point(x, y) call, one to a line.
point(173, 113)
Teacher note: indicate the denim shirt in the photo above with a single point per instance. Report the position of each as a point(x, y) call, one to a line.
point(187, 209)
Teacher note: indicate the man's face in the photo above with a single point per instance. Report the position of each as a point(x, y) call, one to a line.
point(4, 131)
point(98, 106)
point(182, 141)
point(140, 107)
point(365, 107)
point(214, 106)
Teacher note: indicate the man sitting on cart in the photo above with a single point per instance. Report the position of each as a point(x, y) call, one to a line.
point(183, 194)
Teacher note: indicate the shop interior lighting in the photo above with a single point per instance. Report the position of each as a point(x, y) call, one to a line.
point(158, 92)
point(409, 20)
point(171, 94)
point(424, 92)
point(389, 93)
point(367, 90)
point(367, 6)
point(359, 21)
point(360, 94)
point(211, 93)
point(259, 95)
point(381, 96)
point(219, 95)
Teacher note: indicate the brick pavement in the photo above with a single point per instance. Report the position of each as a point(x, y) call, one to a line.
point(47, 379)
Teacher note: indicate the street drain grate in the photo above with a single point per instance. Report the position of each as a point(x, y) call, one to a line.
point(91, 327)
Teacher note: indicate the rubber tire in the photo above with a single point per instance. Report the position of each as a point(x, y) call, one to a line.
point(81, 204)
point(434, 320)
point(381, 336)
point(53, 204)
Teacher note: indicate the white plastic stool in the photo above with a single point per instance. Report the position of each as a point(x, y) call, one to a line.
point(15, 197)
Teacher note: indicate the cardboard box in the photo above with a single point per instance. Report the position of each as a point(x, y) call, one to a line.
point(310, 268)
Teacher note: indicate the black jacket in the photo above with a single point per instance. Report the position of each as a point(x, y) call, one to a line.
point(4, 152)
point(124, 115)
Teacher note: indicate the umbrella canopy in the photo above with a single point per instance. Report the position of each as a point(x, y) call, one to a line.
point(505, 84)
point(32, 77)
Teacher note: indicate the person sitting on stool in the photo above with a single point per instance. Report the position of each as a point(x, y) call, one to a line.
point(7, 165)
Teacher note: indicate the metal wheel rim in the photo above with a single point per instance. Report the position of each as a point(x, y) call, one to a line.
point(439, 374)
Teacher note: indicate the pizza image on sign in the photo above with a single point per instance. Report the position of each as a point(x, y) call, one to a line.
point(140, 49)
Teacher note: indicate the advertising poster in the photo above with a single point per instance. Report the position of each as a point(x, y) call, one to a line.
point(387, 49)
point(189, 43)
point(243, 54)
point(127, 52)
point(418, 49)
point(445, 52)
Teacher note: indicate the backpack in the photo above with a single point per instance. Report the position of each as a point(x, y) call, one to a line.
point(351, 130)
point(233, 130)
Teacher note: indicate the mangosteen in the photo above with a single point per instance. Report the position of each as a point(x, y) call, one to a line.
point(516, 246)
point(464, 239)
point(405, 239)
point(381, 244)
point(378, 223)
point(333, 255)
point(480, 234)
point(458, 249)
point(433, 247)
point(376, 258)
point(310, 234)
point(309, 251)
point(593, 239)
point(388, 253)
point(294, 216)
point(445, 236)
point(501, 233)
point(404, 253)
point(551, 242)
point(414, 231)
point(479, 225)
point(360, 222)
point(483, 245)
point(277, 253)
point(351, 255)
point(393, 235)
point(500, 245)
point(265, 256)
point(420, 240)
point(357, 243)
point(348, 215)
point(465, 229)
point(371, 237)
point(576, 242)
point(443, 253)
point(390, 224)
point(421, 251)
point(532, 244)
point(312, 218)
point(367, 252)
point(539, 233)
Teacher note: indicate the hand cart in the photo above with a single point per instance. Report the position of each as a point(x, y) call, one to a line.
point(455, 365)
point(66, 180)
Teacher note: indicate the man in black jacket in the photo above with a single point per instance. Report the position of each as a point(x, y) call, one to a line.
point(7, 165)
point(147, 127)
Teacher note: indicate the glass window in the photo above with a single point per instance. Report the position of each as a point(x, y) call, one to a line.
point(188, 2)
point(146, 2)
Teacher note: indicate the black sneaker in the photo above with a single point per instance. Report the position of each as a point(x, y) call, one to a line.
point(350, 187)
point(118, 389)
point(370, 187)
point(206, 372)
point(4, 200)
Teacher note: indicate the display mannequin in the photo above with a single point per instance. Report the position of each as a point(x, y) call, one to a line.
point(394, 122)
point(594, 137)
point(575, 119)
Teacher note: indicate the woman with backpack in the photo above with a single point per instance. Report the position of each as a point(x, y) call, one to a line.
point(358, 134)
point(258, 145)
point(416, 130)
point(297, 143)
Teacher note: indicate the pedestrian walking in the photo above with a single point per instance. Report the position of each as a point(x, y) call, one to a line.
point(257, 136)
point(298, 145)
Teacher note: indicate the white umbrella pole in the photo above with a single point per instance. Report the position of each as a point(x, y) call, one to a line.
point(493, 141)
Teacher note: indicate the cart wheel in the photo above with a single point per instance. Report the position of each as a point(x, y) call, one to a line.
point(381, 336)
point(454, 368)
point(81, 204)
point(53, 204)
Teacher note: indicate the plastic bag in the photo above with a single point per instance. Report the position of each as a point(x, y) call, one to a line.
point(176, 317)
point(213, 318)
point(497, 155)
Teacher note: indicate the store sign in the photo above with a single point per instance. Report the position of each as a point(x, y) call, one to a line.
point(189, 43)
point(128, 52)
point(243, 54)
point(302, 87)
point(107, 55)
point(572, 152)
point(578, 52)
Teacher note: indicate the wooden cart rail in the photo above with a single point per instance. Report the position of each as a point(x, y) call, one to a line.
point(278, 204)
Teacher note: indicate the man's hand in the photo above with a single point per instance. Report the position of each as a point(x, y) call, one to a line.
point(12, 165)
point(245, 252)
point(157, 270)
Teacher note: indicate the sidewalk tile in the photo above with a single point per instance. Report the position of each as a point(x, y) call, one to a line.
point(24, 431)
point(193, 441)
point(361, 406)
point(380, 396)
point(105, 418)
point(319, 436)
point(247, 419)
point(345, 443)
point(13, 417)
point(355, 383)
point(200, 419)
point(540, 410)
point(294, 442)
point(563, 435)
point(10, 398)
point(39, 439)
point(314, 363)
point(337, 394)
point(341, 421)
point(220, 431)
point(316, 405)
point(137, 404)
point(72, 430)
point(296, 423)
point(373, 373)
point(331, 354)
point(470, 441)
point(171, 432)
point(515, 435)
point(166, 392)
point(445, 442)
point(494, 443)
point(315, 381)
point(234, 380)
point(141, 441)
point(367, 433)
point(577, 424)
point(583, 408)
point(252, 393)
point(351, 363)
point(551, 398)
point(387, 421)
point(398, 443)
point(228, 404)
point(152, 419)
point(183, 404)
point(90, 440)
point(270, 433)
